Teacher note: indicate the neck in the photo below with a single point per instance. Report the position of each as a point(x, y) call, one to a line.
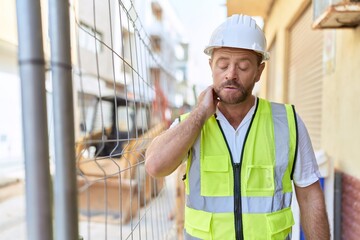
point(235, 113)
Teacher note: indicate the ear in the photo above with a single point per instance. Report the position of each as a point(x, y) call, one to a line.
point(210, 62)
point(260, 70)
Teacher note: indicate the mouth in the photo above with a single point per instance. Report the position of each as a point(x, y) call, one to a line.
point(230, 87)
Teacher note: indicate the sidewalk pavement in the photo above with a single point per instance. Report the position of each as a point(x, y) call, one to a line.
point(13, 220)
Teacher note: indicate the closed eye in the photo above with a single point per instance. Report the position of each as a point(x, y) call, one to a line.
point(223, 64)
point(243, 66)
point(223, 67)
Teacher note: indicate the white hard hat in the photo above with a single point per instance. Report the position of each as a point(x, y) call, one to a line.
point(239, 31)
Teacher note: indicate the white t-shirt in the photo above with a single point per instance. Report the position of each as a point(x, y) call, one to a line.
point(306, 170)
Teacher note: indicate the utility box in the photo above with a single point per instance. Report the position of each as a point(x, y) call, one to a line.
point(336, 13)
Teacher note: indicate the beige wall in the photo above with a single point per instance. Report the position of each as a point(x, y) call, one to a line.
point(281, 17)
point(341, 96)
point(8, 26)
point(8, 37)
point(341, 117)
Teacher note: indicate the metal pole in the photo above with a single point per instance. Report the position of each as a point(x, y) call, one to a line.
point(66, 211)
point(35, 131)
point(337, 205)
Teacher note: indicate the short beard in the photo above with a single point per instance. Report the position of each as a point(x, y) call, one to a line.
point(234, 99)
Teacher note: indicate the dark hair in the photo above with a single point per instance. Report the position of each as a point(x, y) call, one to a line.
point(259, 58)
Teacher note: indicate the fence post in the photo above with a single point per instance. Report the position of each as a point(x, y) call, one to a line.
point(65, 194)
point(35, 130)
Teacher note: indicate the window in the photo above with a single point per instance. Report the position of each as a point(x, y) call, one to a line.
point(87, 36)
point(99, 116)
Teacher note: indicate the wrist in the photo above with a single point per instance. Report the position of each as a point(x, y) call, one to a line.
point(199, 115)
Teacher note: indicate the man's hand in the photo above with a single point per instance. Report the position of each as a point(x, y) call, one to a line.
point(207, 103)
point(166, 152)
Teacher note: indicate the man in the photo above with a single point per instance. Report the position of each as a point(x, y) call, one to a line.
point(243, 152)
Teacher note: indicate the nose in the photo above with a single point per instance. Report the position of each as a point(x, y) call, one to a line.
point(231, 73)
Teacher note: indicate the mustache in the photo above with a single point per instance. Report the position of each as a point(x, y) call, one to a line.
point(230, 83)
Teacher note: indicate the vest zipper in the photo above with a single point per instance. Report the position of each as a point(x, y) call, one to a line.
point(237, 191)
point(237, 201)
point(239, 233)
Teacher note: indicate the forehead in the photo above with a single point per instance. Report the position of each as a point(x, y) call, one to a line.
point(236, 53)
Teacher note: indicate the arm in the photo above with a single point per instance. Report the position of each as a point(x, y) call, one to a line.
point(313, 214)
point(166, 151)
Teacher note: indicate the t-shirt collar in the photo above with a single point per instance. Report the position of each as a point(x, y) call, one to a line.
point(248, 116)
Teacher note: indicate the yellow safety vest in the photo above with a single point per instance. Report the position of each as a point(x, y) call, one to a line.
point(250, 199)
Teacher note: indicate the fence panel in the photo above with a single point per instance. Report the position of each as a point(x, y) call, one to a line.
point(119, 114)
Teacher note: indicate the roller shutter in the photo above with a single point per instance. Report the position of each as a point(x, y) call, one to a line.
point(306, 74)
point(273, 85)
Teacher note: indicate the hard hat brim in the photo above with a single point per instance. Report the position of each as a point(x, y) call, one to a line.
point(208, 51)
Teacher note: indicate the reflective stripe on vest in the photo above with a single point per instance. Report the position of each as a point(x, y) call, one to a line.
point(266, 166)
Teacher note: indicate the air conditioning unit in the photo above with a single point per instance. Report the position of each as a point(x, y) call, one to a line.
point(336, 13)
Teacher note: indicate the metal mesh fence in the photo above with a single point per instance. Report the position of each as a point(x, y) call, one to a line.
point(117, 71)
